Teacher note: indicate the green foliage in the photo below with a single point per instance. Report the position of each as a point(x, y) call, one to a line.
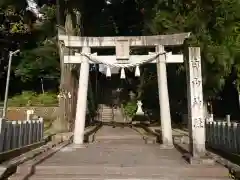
point(41, 62)
point(13, 21)
point(36, 40)
point(130, 109)
point(214, 26)
point(28, 98)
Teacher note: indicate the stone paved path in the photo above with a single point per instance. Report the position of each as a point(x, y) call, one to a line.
point(117, 133)
point(128, 157)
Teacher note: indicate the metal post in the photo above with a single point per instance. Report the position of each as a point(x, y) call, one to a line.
point(7, 82)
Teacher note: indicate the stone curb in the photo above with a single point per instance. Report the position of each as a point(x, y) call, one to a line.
point(151, 136)
point(25, 170)
point(147, 137)
point(234, 169)
point(10, 166)
point(6, 156)
point(89, 134)
point(56, 140)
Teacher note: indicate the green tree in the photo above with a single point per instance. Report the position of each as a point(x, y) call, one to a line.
point(214, 27)
point(35, 38)
point(40, 62)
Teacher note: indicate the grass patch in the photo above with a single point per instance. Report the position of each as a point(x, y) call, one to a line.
point(28, 98)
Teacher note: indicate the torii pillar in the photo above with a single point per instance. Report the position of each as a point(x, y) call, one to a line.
point(165, 115)
point(78, 137)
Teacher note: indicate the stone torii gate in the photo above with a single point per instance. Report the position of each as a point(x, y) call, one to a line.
point(124, 59)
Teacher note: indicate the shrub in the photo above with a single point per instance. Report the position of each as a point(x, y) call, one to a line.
point(24, 99)
point(130, 109)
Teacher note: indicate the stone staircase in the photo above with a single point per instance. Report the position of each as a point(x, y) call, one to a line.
point(106, 113)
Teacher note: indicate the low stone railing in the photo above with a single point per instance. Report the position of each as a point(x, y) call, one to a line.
point(223, 136)
point(17, 134)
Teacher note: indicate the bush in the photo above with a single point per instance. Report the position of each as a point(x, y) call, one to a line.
point(29, 98)
point(130, 109)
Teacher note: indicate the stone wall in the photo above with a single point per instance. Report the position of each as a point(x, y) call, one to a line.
point(19, 113)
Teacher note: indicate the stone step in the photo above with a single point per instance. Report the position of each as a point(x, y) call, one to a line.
point(106, 112)
point(107, 108)
point(123, 139)
point(107, 115)
point(137, 171)
point(107, 118)
point(115, 177)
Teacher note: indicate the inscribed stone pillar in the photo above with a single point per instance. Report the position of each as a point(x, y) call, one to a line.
point(195, 103)
point(82, 99)
point(164, 99)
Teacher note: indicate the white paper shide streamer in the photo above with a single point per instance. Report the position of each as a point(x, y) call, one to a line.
point(123, 76)
point(108, 73)
point(137, 71)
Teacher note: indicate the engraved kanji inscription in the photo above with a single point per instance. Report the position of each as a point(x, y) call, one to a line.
point(196, 63)
point(199, 123)
point(196, 81)
point(197, 101)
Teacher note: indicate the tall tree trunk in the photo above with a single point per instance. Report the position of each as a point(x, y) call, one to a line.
point(68, 85)
point(61, 123)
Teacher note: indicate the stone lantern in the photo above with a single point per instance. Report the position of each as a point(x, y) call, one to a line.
point(139, 109)
point(139, 116)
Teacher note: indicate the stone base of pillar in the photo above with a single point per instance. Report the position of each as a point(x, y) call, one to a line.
point(198, 160)
point(79, 146)
point(140, 122)
point(73, 147)
point(166, 146)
